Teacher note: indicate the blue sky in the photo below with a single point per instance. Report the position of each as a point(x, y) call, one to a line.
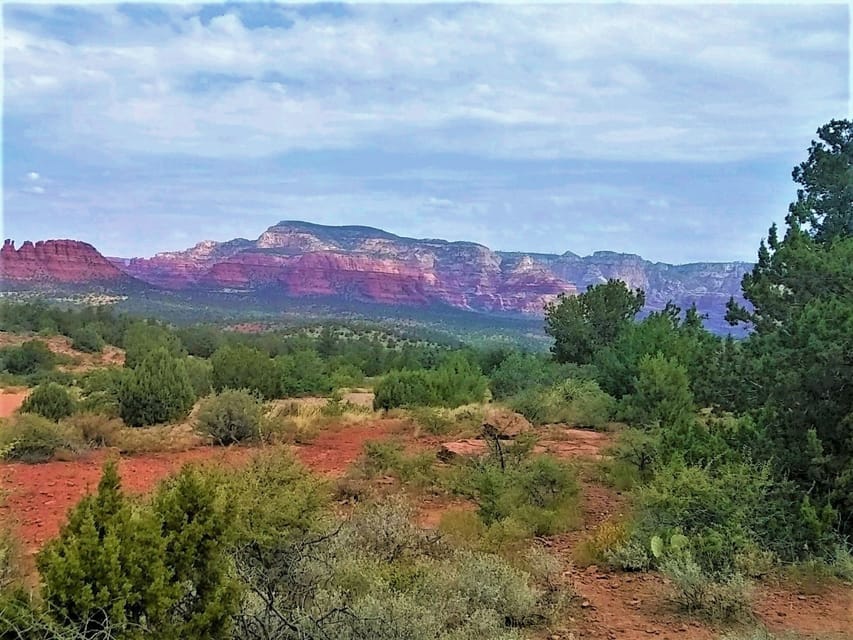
point(668, 131)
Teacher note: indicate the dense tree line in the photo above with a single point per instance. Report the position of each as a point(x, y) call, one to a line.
point(792, 377)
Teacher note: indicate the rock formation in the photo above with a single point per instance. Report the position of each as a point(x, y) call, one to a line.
point(56, 261)
point(370, 265)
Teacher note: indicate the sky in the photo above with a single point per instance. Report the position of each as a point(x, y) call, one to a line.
point(668, 131)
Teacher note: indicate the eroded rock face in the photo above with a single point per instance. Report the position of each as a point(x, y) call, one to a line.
point(371, 265)
point(358, 263)
point(56, 261)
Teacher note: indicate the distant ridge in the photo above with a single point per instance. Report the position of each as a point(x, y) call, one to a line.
point(295, 258)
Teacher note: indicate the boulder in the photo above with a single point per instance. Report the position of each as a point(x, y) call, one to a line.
point(470, 448)
point(505, 424)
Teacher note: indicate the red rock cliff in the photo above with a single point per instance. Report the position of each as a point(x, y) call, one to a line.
point(56, 261)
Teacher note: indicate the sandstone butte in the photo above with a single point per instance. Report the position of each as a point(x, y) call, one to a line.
point(56, 261)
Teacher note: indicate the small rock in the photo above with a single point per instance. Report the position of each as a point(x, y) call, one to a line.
point(586, 604)
point(781, 614)
point(801, 597)
point(650, 630)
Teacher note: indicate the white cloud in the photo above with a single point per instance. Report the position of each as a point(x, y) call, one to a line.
point(617, 82)
point(33, 176)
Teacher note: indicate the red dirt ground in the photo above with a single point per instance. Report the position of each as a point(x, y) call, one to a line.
point(10, 401)
point(609, 606)
point(40, 495)
point(630, 606)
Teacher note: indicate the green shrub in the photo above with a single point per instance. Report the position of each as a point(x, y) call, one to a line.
point(231, 416)
point(376, 576)
point(717, 509)
point(574, 401)
point(346, 376)
point(276, 500)
point(634, 456)
point(52, 400)
point(629, 556)
point(721, 599)
point(200, 373)
point(541, 492)
point(197, 525)
point(142, 338)
point(727, 512)
point(390, 458)
point(157, 391)
point(486, 582)
point(661, 394)
point(405, 389)
point(455, 383)
point(135, 571)
point(32, 438)
point(242, 367)
point(32, 356)
point(458, 381)
point(101, 389)
point(106, 568)
point(386, 530)
point(302, 373)
point(433, 420)
point(86, 338)
point(519, 372)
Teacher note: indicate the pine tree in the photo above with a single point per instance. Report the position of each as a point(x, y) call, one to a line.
point(158, 390)
point(106, 570)
point(801, 297)
point(582, 325)
point(197, 526)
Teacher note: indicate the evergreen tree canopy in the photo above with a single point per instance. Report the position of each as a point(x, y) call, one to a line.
point(800, 358)
point(158, 390)
point(587, 322)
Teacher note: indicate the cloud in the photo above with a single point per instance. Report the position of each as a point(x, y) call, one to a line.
point(574, 81)
point(33, 176)
point(664, 130)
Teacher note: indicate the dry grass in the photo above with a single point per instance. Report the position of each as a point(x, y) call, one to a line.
point(299, 420)
point(462, 422)
point(161, 438)
point(593, 549)
point(101, 431)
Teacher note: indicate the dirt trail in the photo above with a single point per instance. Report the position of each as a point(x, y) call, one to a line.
point(10, 401)
point(40, 495)
point(630, 606)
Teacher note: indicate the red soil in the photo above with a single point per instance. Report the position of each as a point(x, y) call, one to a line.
point(333, 451)
point(609, 605)
point(40, 495)
point(9, 402)
point(631, 606)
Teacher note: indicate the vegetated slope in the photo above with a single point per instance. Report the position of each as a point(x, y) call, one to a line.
point(366, 264)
